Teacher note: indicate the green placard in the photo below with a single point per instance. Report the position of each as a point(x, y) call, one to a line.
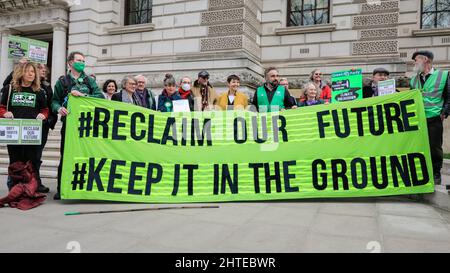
point(347, 85)
point(20, 131)
point(34, 50)
point(121, 152)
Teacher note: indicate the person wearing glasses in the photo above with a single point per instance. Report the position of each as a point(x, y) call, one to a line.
point(325, 90)
point(128, 92)
point(204, 93)
point(271, 96)
point(143, 95)
point(284, 82)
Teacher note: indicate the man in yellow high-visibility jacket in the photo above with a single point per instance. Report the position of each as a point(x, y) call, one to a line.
point(435, 87)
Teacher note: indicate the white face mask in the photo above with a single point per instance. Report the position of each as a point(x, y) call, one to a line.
point(186, 87)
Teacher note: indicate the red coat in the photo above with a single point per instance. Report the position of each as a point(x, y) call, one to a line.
point(326, 94)
point(23, 195)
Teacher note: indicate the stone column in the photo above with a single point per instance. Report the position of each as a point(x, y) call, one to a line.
point(59, 51)
point(6, 65)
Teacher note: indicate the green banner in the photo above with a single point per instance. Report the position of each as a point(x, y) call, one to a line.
point(34, 50)
point(20, 131)
point(121, 152)
point(347, 85)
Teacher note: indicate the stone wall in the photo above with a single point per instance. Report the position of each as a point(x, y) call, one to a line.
point(183, 38)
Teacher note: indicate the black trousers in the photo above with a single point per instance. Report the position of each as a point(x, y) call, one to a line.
point(61, 149)
point(25, 153)
point(435, 136)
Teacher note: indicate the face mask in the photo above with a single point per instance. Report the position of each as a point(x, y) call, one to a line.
point(186, 87)
point(79, 67)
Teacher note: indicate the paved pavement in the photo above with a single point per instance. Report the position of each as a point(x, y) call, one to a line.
point(393, 224)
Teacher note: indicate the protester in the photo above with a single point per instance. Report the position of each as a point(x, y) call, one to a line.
point(435, 87)
point(52, 119)
point(311, 95)
point(324, 89)
point(284, 82)
point(168, 95)
point(8, 79)
point(204, 93)
point(25, 84)
point(109, 89)
point(77, 84)
point(128, 92)
point(233, 99)
point(271, 96)
point(185, 91)
point(378, 75)
point(145, 97)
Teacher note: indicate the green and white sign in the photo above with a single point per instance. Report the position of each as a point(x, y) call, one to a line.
point(20, 131)
point(121, 152)
point(347, 85)
point(34, 50)
point(386, 87)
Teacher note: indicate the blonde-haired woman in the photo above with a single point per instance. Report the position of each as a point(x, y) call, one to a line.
point(24, 99)
point(311, 95)
point(324, 90)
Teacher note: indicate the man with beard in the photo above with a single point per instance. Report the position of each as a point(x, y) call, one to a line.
point(144, 96)
point(435, 87)
point(204, 93)
point(272, 96)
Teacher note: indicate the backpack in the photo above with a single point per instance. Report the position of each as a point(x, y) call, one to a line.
point(67, 84)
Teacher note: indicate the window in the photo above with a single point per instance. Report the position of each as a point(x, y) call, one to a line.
point(435, 14)
point(138, 12)
point(308, 12)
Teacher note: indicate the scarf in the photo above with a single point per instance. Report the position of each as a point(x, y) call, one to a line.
point(141, 97)
point(184, 94)
point(205, 96)
point(126, 98)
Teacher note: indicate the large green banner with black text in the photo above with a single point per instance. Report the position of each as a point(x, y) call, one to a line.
point(372, 147)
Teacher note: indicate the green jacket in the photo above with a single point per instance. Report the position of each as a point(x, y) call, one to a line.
point(66, 84)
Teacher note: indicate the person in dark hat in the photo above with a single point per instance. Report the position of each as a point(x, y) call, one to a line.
point(379, 74)
point(435, 87)
point(205, 95)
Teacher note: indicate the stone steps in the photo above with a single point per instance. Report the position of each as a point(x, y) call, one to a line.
point(446, 167)
point(44, 173)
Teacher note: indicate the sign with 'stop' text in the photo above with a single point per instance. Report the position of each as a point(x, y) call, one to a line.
point(121, 152)
point(34, 50)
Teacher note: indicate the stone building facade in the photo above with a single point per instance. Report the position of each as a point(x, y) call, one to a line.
point(227, 36)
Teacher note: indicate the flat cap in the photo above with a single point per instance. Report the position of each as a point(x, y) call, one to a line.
point(203, 74)
point(425, 53)
point(380, 70)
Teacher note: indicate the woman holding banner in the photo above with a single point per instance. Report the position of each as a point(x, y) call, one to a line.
point(169, 94)
point(109, 89)
point(128, 92)
point(311, 96)
point(24, 99)
point(233, 99)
